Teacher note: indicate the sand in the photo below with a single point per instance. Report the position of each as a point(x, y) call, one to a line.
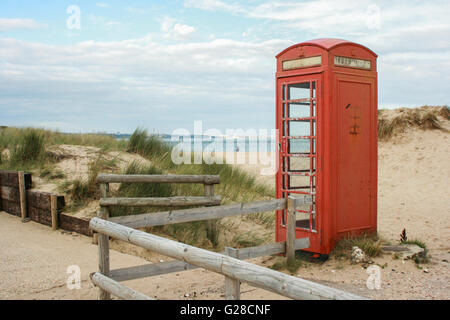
point(414, 194)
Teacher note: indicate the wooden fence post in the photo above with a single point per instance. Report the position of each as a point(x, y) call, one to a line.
point(54, 211)
point(211, 225)
point(232, 286)
point(23, 196)
point(290, 232)
point(103, 243)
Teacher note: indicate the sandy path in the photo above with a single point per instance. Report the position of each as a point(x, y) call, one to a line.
point(34, 261)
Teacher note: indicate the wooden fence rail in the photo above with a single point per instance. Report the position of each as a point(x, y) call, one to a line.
point(161, 201)
point(154, 178)
point(255, 275)
point(116, 288)
point(156, 269)
point(198, 214)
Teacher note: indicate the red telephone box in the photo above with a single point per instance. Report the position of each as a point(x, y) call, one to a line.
point(326, 91)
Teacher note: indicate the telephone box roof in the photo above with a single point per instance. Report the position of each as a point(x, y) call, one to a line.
point(326, 44)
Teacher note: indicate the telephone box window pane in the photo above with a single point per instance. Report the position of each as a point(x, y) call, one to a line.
point(299, 145)
point(299, 110)
point(300, 165)
point(299, 91)
point(297, 128)
point(299, 182)
point(314, 89)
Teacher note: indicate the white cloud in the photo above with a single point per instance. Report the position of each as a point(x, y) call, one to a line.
point(127, 82)
point(170, 84)
point(175, 30)
point(386, 26)
point(214, 5)
point(134, 10)
point(14, 24)
point(104, 22)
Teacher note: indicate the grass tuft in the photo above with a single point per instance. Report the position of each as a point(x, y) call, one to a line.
point(422, 257)
point(425, 118)
point(82, 191)
point(30, 148)
point(370, 244)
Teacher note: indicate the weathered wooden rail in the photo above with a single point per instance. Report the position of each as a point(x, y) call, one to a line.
point(187, 257)
point(232, 268)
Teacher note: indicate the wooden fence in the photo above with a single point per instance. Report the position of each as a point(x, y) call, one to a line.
point(17, 199)
point(232, 268)
point(106, 202)
point(188, 257)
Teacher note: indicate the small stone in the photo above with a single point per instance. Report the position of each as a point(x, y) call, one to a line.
point(357, 255)
point(426, 270)
point(186, 295)
point(161, 260)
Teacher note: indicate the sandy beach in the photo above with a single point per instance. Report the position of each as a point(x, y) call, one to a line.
point(413, 194)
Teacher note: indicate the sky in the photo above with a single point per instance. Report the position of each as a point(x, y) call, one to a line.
point(113, 66)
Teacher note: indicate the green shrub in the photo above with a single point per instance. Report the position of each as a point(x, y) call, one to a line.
point(29, 149)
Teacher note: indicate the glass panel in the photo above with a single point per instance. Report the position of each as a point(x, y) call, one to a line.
point(300, 164)
point(299, 145)
point(299, 91)
point(299, 110)
point(297, 128)
point(299, 182)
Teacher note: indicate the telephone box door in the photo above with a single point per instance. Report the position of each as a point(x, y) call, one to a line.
point(356, 157)
point(298, 115)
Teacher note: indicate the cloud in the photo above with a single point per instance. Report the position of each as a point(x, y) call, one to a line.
point(134, 10)
point(119, 85)
point(16, 24)
point(215, 5)
point(175, 30)
point(386, 26)
point(102, 5)
point(138, 82)
point(103, 22)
